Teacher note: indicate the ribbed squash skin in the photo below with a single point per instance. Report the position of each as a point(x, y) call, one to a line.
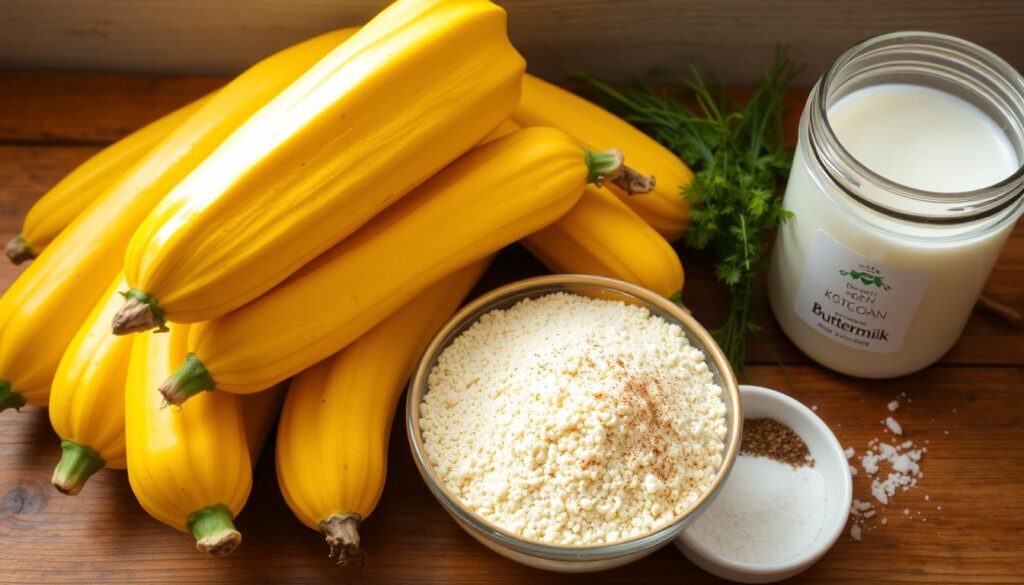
point(665, 209)
point(416, 87)
point(333, 436)
point(601, 235)
point(87, 397)
point(44, 308)
point(490, 197)
point(55, 210)
point(181, 462)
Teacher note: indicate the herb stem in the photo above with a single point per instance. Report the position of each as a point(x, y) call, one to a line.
point(739, 163)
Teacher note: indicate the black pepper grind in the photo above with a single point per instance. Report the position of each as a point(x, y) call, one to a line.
point(767, 437)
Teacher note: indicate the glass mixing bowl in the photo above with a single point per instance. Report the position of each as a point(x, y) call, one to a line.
point(572, 558)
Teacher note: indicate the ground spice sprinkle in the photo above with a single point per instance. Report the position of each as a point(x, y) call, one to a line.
point(767, 437)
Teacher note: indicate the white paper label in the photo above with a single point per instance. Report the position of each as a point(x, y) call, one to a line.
point(856, 301)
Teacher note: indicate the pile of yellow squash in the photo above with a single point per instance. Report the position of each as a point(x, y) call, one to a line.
point(317, 219)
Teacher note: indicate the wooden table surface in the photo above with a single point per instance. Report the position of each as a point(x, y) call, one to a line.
point(965, 521)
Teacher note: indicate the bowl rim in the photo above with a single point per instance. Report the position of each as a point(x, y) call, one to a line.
point(832, 528)
point(693, 330)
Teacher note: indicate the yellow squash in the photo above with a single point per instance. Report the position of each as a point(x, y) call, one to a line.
point(416, 87)
point(601, 236)
point(190, 469)
point(491, 197)
point(332, 440)
point(69, 197)
point(87, 397)
point(43, 309)
point(665, 209)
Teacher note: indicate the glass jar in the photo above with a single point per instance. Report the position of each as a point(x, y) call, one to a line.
point(872, 277)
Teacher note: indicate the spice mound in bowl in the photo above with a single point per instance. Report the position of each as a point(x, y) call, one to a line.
point(572, 420)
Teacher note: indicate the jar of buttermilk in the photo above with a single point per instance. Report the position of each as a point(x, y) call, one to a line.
point(906, 183)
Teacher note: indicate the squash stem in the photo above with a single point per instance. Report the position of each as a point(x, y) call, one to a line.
point(141, 312)
point(9, 398)
point(634, 183)
point(18, 250)
point(76, 466)
point(190, 379)
point(342, 534)
point(214, 530)
point(609, 165)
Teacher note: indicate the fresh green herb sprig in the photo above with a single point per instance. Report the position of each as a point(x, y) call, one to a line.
point(739, 161)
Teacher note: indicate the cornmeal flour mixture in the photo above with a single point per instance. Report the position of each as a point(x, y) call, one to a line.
point(573, 420)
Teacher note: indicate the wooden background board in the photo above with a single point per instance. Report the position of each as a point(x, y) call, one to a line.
point(964, 522)
point(614, 37)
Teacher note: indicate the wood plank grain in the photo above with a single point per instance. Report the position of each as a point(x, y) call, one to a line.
point(972, 421)
point(55, 108)
point(26, 173)
point(732, 37)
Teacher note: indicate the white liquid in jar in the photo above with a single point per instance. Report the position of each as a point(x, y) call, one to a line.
point(922, 137)
point(869, 295)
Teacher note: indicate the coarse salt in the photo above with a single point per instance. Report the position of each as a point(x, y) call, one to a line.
point(903, 460)
point(572, 420)
point(893, 426)
point(768, 512)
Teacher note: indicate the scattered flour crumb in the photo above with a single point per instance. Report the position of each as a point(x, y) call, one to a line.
point(895, 404)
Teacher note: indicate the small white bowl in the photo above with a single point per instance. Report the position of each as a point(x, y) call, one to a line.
point(828, 457)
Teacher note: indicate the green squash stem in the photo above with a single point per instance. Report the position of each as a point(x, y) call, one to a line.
point(76, 466)
point(190, 379)
point(610, 165)
point(141, 312)
point(214, 530)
